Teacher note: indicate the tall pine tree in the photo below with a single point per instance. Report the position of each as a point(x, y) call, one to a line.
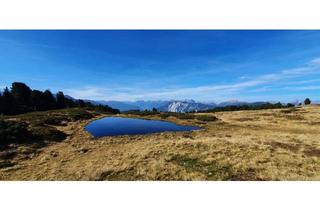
point(49, 99)
point(60, 100)
point(22, 96)
point(8, 105)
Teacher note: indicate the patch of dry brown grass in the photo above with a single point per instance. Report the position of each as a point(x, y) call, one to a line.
point(241, 145)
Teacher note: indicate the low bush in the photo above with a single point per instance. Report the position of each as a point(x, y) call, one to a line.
point(164, 115)
point(249, 107)
point(46, 133)
point(183, 116)
point(78, 114)
point(206, 118)
point(36, 127)
point(105, 109)
point(13, 132)
point(55, 117)
point(141, 113)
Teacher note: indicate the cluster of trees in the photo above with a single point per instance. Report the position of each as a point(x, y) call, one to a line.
point(307, 101)
point(21, 99)
point(250, 107)
point(278, 105)
point(142, 112)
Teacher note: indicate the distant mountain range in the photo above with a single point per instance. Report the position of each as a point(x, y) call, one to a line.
point(174, 105)
point(122, 106)
point(169, 106)
point(164, 106)
point(143, 105)
point(191, 105)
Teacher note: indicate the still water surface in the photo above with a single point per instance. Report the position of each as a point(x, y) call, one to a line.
point(113, 126)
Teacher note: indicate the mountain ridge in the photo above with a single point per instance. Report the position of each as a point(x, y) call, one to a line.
point(181, 106)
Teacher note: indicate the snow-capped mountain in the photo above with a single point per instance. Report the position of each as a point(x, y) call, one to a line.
point(185, 106)
point(143, 105)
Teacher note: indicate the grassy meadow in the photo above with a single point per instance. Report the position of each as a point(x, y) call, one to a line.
point(270, 144)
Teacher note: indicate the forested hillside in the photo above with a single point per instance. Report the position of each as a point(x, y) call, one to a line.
point(21, 99)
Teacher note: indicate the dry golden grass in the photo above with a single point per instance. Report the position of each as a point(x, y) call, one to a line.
point(279, 144)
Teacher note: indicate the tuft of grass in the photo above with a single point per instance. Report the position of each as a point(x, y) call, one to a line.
point(12, 131)
point(5, 164)
point(164, 115)
point(46, 133)
point(122, 175)
point(7, 154)
point(183, 116)
point(311, 151)
point(287, 111)
point(213, 170)
point(286, 146)
point(206, 118)
point(55, 117)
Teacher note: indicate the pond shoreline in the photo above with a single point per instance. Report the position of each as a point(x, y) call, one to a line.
point(120, 125)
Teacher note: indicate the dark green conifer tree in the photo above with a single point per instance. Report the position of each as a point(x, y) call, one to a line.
point(50, 100)
point(307, 101)
point(8, 106)
point(61, 102)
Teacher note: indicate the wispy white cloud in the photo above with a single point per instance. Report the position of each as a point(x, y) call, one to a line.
point(88, 92)
point(301, 82)
point(261, 89)
point(313, 87)
point(102, 93)
point(315, 61)
point(24, 44)
point(201, 92)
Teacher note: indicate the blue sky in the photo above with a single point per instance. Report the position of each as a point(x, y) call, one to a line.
point(127, 65)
